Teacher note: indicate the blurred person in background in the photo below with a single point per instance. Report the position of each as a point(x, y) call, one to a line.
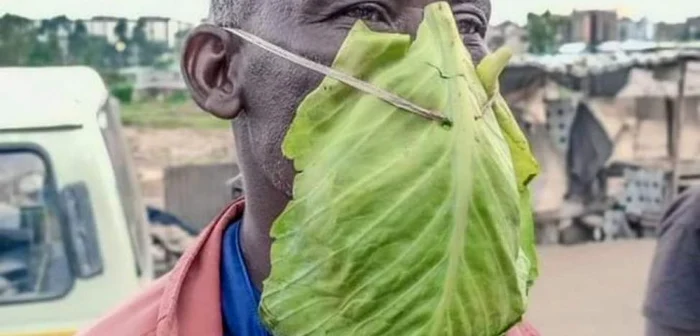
point(672, 306)
point(215, 288)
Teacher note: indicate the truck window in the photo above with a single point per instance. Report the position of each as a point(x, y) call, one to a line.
point(127, 184)
point(33, 259)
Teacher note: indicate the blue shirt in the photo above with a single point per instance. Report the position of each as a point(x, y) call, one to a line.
point(239, 298)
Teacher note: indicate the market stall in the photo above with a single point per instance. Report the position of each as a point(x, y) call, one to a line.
point(602, 124)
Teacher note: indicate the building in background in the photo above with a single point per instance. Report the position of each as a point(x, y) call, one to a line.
point(508, 34)
point(594, 26)
point(158, 29)
point(164, 30)
point(642, 30)
point(670, 31)
point(563, 29)
point(103, 26)
point(692, 28)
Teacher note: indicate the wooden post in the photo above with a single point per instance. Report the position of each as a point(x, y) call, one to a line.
point(676, 133)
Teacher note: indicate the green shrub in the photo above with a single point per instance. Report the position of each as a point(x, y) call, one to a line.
point(124, 92)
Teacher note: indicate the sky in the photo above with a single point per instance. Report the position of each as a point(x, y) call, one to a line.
point(194, 10)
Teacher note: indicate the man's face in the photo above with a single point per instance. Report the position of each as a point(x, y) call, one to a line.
point(272, 87)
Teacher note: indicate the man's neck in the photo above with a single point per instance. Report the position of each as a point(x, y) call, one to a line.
point(264, 203)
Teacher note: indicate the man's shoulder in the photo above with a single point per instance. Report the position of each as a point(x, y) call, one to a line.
point(138, 316)
point(191, 289)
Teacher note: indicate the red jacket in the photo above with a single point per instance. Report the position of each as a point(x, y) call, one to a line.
point(187, 301)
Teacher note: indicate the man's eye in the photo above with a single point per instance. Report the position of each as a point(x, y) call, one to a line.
point(469, 26)
point(369, 12)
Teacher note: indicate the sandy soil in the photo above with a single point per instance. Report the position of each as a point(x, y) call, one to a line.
point(592, 290)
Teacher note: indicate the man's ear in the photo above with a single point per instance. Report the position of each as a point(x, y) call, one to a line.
point(209, 67)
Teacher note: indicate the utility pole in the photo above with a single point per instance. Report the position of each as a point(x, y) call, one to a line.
point(676, 130)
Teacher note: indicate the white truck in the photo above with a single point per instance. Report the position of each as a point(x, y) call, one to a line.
point(74, 238)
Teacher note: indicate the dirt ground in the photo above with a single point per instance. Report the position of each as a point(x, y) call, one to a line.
point(592, 289)
point(155, 149)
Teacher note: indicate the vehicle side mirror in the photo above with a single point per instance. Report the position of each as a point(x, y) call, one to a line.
point(80, 232)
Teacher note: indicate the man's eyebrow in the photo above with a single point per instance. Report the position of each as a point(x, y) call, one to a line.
point(319, 7)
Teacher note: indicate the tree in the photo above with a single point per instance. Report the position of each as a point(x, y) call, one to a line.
point(78, 43)
point(542, 31)
point(121, 30)
point(48, 48)
point(46, 52)
point(17, 38)
point(93, 51)
point(52, 25)
point(148, 52)
point(140, 41)
point(58, 41)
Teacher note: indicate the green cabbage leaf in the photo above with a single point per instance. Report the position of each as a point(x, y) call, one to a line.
point(401, 225)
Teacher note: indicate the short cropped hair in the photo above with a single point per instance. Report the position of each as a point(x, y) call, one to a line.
point(231, 13)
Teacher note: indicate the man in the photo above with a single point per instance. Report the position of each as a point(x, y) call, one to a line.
point(215, 288)
point(672, 306)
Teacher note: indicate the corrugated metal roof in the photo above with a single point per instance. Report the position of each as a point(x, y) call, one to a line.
point(49, 96)
point(581, 65)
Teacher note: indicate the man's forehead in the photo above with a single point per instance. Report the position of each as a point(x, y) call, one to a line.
point(484, 5)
